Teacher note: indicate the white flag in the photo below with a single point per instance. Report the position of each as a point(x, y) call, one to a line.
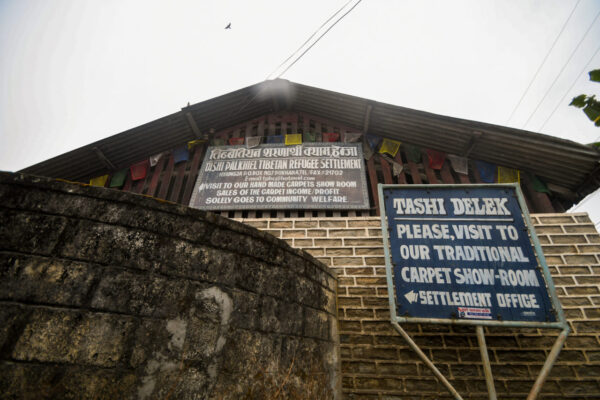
point(352, 137)
point(154, 159)
point(397, 168)
point(253, 141)
point(459, 164)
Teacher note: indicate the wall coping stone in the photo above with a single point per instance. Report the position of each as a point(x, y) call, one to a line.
point(156, 204)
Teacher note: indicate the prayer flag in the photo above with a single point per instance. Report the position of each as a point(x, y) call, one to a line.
point(253, 141)
point(180, 154)
point(459, 164)
point(294, 138)
point(508, 175)
point(538, 185)
point(275, 139)
point(236, 140)
point(193, 143)
point(413, 153)
point(99, 181)
point(436, 158)
point(397, 168)
point(154, 159)
point(352, 137)
point(218, 142)
point(487, 171)
point(118, 178)
point(310, 137)
point(331, 137)
point(390, 147)
point(373, 141)
point(139, 170)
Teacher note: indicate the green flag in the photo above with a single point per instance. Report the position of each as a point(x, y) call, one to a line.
point(118, 179)
point(538, 185)
point(413, 153)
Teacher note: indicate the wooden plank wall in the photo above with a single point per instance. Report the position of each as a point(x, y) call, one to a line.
point(174, 182)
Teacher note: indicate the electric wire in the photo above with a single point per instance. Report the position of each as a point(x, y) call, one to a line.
point(308, 40)
point(262, 89)
point(543, 62)
point(319, 38)
point(561, 70)
point(569, 89)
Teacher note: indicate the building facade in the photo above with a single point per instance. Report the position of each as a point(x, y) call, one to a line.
point(163, 158)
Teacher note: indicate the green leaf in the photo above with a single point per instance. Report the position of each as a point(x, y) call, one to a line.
point(578, 101)
point(592, 113)
point(595, 75)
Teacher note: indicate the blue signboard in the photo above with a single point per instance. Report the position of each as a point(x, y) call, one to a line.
point(463, 254)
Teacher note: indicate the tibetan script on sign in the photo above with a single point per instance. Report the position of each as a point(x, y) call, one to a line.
point(275, 176)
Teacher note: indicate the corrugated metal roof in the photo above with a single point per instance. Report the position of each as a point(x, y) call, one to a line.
point(559, 161)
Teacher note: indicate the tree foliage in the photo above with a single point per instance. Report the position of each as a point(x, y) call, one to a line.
point(589, 104)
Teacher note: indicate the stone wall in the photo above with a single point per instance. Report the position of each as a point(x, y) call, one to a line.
point(107, 295)
point(377, 363)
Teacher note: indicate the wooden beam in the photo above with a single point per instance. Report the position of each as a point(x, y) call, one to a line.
point(541, 201)
point(471, 144)
point(192, 122)
point(367, 119)
point(591, 176)
point(104, 159)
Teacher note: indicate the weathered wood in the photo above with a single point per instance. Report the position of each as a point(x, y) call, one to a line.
point(471, 143)
point(156, 175)
point(128, 182)
point(373, 182)
point(165, 182)
point(138, 186)
point(475, 170)
point(193, 173)
point(414, 172)
point(401, 178)
point(386, 170)
point(107, 163)
point(180, 170)
point(192, 122)
point(446, 174)
point(429, 172)
point(541, 201)
point(367, 118)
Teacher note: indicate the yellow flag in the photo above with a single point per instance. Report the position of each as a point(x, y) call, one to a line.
point(99, 181)
point(390, 146)
point(295, 138)
point(508, 175)
point(193, 143)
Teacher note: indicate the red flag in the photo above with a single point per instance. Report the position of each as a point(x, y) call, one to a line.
point(436, 158)
point(139, 170)
point(331, 137)
point(236, 140)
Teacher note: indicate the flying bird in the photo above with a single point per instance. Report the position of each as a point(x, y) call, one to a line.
point(228, 26)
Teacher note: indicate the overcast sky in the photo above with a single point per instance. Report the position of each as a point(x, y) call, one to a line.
point(73, 72)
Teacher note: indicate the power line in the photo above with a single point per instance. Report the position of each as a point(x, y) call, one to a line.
point(308, 40)
point(561, 70)
point(247, 103)
point(543, 62)
point(319, 38)
point(569, 89)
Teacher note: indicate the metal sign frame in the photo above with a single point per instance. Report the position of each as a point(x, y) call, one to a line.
point(560, 318)
point(561, 322)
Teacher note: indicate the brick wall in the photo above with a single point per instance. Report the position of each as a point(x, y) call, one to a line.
point(378, 364)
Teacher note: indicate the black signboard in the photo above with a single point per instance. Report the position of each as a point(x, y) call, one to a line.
point(275, 176)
